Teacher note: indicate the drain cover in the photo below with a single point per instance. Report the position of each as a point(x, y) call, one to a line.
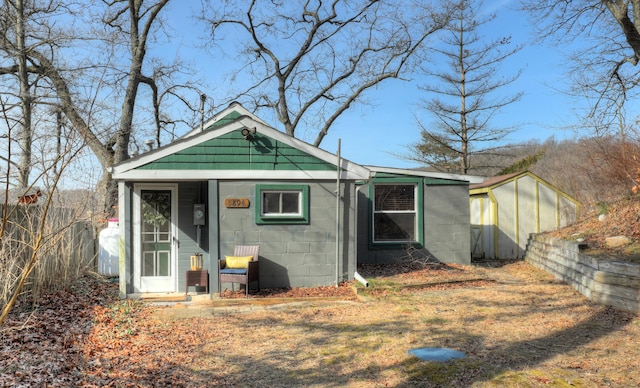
point(436, 354)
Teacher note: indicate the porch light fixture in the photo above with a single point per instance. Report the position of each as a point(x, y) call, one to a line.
point(150, 143)
point(247, 132)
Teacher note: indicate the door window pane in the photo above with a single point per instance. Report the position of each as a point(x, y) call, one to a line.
point(148, 263)
point(163, 264)
point(155, 216)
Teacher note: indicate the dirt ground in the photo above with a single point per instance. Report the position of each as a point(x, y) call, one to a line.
point(516, 325)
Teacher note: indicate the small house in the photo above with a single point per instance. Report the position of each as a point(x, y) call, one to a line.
point(314, 215)
point(505, 209)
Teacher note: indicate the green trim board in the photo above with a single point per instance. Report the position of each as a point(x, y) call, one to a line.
point(232, 151)
point(284, 219)
point(419, 232)
point(426, 180)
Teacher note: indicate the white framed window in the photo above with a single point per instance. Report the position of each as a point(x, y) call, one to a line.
point(396, 216)
point(282, 204)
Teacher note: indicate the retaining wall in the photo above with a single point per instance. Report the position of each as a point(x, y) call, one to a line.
point(606, 282)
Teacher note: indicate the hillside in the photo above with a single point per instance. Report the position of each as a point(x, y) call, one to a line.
point(620, 218)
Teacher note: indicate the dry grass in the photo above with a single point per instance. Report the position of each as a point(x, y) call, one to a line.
point(519, 328)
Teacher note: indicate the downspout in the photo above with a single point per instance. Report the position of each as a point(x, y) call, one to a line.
point(338, 215)
point(356, 275)
point(359, 278)
point(517, 215)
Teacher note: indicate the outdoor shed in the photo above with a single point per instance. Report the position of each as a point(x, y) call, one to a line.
point(238, 181)
point(505, 209)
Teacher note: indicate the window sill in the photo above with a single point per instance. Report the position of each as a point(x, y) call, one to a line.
point(395, 245)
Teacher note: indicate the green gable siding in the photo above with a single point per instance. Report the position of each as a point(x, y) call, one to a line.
point(232, 152)
point(225, 120)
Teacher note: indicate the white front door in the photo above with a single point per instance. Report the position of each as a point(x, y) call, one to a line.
point(154, 225)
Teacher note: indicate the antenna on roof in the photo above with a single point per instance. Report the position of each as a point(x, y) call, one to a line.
point(203, 98)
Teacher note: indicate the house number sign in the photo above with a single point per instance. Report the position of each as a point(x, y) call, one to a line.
point(236, 203)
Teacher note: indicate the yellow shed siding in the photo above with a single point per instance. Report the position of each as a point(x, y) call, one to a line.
point(512, 209)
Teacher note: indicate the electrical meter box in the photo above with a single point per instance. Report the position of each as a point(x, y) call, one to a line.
point(198, 214)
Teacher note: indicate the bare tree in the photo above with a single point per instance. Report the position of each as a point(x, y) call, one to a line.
point(465, 92)
point(25, 95)
point(133, 19)
point(32, 230)
point(122, 23)
point(311, 61)
point(17, 41)
point(606, 34)
point(603, 71)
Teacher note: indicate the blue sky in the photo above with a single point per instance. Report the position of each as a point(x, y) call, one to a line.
point(374, 134)
point(391, 125)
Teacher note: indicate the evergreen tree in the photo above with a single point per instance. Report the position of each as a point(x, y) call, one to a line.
point(464, 91)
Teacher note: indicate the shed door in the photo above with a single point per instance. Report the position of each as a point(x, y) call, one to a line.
point(154, 266)
point(477, 240)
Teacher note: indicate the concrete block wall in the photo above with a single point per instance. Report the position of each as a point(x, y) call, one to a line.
point(292, 255)
point(446, 223)
point(611, 283)
point(446, 228)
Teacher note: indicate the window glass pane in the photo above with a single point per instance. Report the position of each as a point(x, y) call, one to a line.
point(164, 204)
point(291, 203)
point(147, 226)
point(164, 227)
point(270, 203)
point(394, 197)
point(163, 264)
point(282, 204)
point(148, 263)
point(394, 226)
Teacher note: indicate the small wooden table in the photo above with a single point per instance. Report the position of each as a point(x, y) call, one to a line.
point(197, 278)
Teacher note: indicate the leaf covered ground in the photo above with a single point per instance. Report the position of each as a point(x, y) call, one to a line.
point(516, 325)
point(621, 218)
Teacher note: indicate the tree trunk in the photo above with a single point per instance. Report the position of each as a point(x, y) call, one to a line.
point(464, 149)
point(24, 168)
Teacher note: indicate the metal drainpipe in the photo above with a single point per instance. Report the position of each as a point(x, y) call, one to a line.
point(338, 216)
